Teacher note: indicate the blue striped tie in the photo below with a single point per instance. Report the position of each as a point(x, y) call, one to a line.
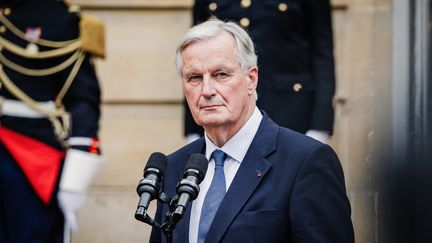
point(214, 195)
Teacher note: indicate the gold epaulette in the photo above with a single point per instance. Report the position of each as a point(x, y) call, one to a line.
point(92, 35)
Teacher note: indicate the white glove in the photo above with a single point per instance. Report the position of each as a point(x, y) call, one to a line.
point(322, 136)
point(192, 137)
point(70, 203)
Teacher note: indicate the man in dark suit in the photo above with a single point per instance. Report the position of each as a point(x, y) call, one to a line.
point(49, 117)
point(264, 183)
point(295, 48)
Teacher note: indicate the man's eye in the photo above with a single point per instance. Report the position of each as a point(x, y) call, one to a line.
point(221, 75)
point(194, 78)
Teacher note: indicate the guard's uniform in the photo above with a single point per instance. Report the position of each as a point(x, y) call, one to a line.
point(294, 44)
point(49, 114)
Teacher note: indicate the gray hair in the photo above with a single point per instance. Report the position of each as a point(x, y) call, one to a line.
point(212, 28)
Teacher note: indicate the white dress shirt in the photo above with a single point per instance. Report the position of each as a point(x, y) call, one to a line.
point(235, 149)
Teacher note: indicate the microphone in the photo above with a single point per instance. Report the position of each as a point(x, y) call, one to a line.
point(188, 188)
point(148, 187)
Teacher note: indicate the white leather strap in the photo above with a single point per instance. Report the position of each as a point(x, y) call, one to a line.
point(20, 109)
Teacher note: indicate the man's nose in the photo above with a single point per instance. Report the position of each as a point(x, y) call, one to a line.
point(208, 88)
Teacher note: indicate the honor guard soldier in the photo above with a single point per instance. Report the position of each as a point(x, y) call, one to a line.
point(49, 117)
point(295, 55)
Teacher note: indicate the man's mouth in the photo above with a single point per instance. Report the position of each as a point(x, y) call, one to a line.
point(209, 107)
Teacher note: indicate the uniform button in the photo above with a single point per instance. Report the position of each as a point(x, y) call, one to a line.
point(212, 6)
point(283, 7)
point(244, 22)
point(7, 11)
point(2, 29)
point(245, 3)
point(297, 87)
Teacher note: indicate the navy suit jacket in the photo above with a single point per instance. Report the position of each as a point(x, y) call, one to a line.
point(289, 188)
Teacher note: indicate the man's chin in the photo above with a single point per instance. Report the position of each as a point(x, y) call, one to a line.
point(211, 121)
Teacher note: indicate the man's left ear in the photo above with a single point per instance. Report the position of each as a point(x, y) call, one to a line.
point(252, 79)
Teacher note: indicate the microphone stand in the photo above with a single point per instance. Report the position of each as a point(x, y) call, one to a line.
point(170, 218)
point(168, 227)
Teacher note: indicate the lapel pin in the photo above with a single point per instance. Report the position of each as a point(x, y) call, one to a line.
point(259, 174)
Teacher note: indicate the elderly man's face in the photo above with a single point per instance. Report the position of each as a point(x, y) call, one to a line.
point(217, 90)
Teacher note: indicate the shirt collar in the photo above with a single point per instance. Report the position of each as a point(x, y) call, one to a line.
point(238, 145)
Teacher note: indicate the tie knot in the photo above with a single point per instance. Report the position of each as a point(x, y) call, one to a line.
point(219, 157)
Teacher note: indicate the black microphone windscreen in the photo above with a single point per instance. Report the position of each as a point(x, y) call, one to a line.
point(157, 160)
point(198, 162)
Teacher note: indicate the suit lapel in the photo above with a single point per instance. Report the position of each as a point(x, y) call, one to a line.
point(250, 174)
